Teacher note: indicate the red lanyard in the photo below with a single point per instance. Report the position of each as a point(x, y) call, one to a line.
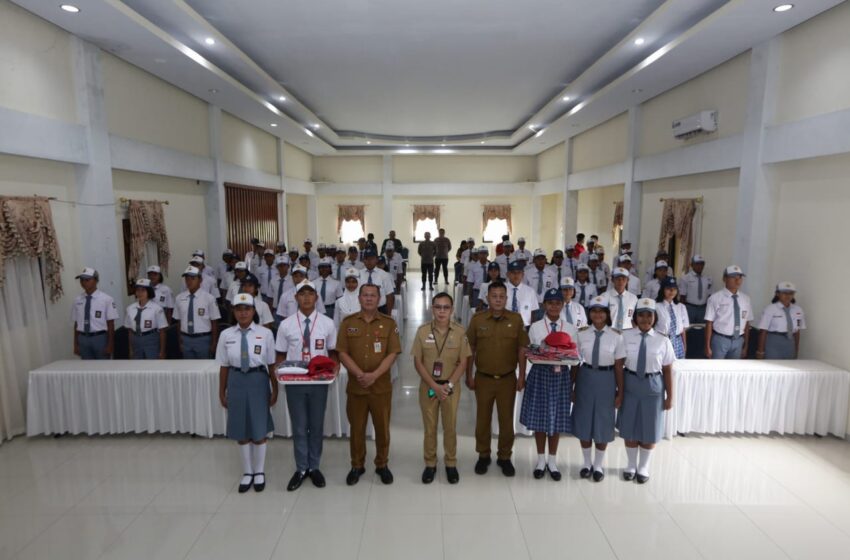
point(301, 331)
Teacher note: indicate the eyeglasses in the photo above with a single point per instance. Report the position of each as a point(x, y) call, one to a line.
point(441, 307)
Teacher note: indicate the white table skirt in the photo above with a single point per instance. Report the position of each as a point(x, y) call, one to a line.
point(135, 396)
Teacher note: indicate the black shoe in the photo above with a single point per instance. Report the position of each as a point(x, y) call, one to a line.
point(507, 467)
point(642, 479)
point(556, 475)
point(354, 476)
point(598, 476)
point(431, 287)
point(318, 478)
point(423, 288)
point(385, 474)
point(482, 464)
point(296, 480)
point(585, 473)
point(538, 473)
point(245, 487)
point(452, 475)
point(628, 476)
point(262, 486)
point(428, 475)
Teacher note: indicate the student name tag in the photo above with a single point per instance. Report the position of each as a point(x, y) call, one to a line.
point(377, 347)
point(437, 370)
point(258, 349)
point(97, 314)
point(148, 325)
point(320, 344)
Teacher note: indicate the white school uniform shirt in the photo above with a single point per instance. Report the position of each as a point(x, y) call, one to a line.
point(290, 335)
point(164, 296)
point(210, 272)
point(209, 285)
point(205, 311)
point(662, 309)
point(503, 261)
point(477, 273)
point(253, 260)
point(689, 288)
point(612, 347)
point(599, 278)
point(482, 293)
point(314, 260)
point(351, 264)
point(651, 289)
point(634, 284)
point(226, 279)
point(548, 275)
point(578, 313)
point(659, 350)
point(395, 266)
point(613, 301)
point(464, 258)
point(288, 306)
point(773, 319)
point(228, 352)
point(276, 289)
point(720, 311)
point(153, 317)
point(540, 330)
point(263, 311)
point(266, 274)
point(570, 267)
point(380, 278)
point(347, 304)
point(603, 266)
point(333, 289)
point(589, 293)
point(522, 255)
point(221, 271)
point(526, 301)
point(233, 289)
point(102, 309)
point(650, 273)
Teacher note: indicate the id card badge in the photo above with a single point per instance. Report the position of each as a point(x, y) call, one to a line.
point(437, 371)
point(305, 356)
point(377, 347)
point(557, 369)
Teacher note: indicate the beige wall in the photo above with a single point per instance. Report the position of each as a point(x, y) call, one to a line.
point(552, 163)
point(720, 193)
point(143, 107)
point(296, 218)
point(297, 163)
point(603, 145)
point(246, 145)
point(549, 223)
point(723, 88)
point(814, 76)
point(348, 169)
point(26, 177)
point(35, 65)
point(464, 169)
point(185, 218)
point(596, 214)
point(328, 211)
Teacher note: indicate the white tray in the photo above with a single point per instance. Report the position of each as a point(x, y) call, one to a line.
point(568, 362)
point(301, 382)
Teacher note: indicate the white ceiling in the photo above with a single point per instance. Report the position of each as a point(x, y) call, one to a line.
point(480, 75)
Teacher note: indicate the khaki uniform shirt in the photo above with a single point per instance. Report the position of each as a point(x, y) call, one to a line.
point(497, 341)
point(432, 346)
point(368, 343)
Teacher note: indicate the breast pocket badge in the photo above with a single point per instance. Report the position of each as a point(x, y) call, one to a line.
point(258, 349)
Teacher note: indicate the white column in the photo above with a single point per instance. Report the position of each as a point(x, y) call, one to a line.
point(387, 196)
point(96, 211)
point(214, 199)
point(757, 197)
point(536, 218)
point(570, 207)
point(282, 218)
point(633, 190)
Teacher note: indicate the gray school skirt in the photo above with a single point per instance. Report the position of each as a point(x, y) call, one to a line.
point(641, 417)
point(248, 413)
point(593, 411)
point(778, 347)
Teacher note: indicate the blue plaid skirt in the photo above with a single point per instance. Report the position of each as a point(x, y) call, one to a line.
point(546, 401)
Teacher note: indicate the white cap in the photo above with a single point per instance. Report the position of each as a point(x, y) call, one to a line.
point(199, 253)
point(473, 250)
point(645, 304)
point(352, 273)
point(299, 268)
point(325, 261)
point(567, 282)
point(281, 259)
point(625, 242)
point(305, 284)
point(268, 252)
point(389, 246)
point(584, 267)
point(507, 244)
point(226, 252)
point(521, 240)
point(308, 240)
point(322, 246)
point(786, 287)
point(593, 257)
point(483, 249)
point(661, 264)
point(697, 259)
point(733, 270)
point(243, 299)
point(619, 271)
point(624, 258)
point(539, 253)
point(280, 244)
point(143, 283)
point(470, 240)
point(197, 259)
point(241, 265)
point(154, 268)
point(191, 271)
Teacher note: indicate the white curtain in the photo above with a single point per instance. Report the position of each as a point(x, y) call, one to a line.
point(24, 340)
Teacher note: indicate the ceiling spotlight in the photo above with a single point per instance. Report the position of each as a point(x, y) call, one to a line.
point(639, 41)
point(210, 41)
point(213, 91)
point(70, 8)
point(309, 133)
point(443, 145)
point(540, 133)
point(274, 125)
point(483, 141)
point(368, 141)
point(566, 98)
point(316, 126)
point(282, 98)
point(783, 7)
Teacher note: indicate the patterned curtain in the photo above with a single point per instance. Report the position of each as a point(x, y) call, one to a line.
point(677, 220)
point(618, 220)
point(351, 213)
point(426, 212)
point(147, 224)
point(26, 229)
point(497, 212)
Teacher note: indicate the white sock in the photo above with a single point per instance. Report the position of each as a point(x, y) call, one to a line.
point(586, 451)
point(259, 453)
point(631, 454)
point(643, 465)
point(599, 460)
point(247, 468)
point(552, 462)
point(541, 462)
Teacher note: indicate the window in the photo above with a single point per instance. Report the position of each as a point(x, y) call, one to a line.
point(495, 229)
point(350, 231)
point(428, 225)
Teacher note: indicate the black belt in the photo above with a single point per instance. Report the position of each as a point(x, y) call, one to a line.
point(250, 370)
point(648, 374)
point(695, 304)
point(196, 335)
point(96, 333)
point(600, 368)
point(730, 337)
point(778, 333)
point(146, 333)
point(494, 376)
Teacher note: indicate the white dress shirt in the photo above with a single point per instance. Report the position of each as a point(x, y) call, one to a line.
point(347, 304)
point(589, 290)
point(153, 317)
point(503, 261)
point(228, 352)
point(380, 278)
point(288, 305)
point(659, 350)
point(205, 311)
point(599, 278)
point(101, 310)
point(689, 288)
point(277, 290)
point(266, 274)
point(522, 255)
point(663, 310)
point(164, 296)
point(209, 285)
point(613, 301)
point(577, 312)
point(395, 266)
point(651, 289)
point(546, 279)
point(773, 319)
point(290, 335)
point(611, 346)
point(634, 284)
point(526, 301)
point(540, 329)
point(570, 267)
point(333, 289)
point(263, 311)
point(720, 310)
point(476, 274)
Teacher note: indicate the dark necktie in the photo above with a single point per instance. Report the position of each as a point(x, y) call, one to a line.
point(641, 361)
point(244, 363)
point(539, 282)
point(594, 358)
point(554, 326)
point(583, 298)
point(788, 323)
point(269, 280)
point(569, 315)
point(699, 287)
point(87, 316)
point(305, 343)
point(370, 278)
point(620, 312)
point(280, 288)
point(736, 309)
point(515, 304)
point(559, 277)
point(138, 320)
point(322, 291)
point(338, 271)
point(191, 315)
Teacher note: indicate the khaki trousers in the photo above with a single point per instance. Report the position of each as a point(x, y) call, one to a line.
point(358, 408)
point(432, 410)
point(502, 392)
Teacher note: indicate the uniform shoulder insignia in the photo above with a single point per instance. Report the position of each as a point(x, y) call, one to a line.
point(583, 328)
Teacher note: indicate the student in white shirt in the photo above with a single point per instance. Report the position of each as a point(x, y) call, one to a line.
point(505, 258)
point(521, 298)
point(573, 312)
point(353, 260)
point(648, 390)
point(477, 273)
point(651, 288)
point(328, 288)
point(727, 319)
point(281, 283)
point(163, 296)
point(207, 284)
point(620, 301)
point(301, 337)
point(349, 302)
point(288, 305)
point(395, 265)
point(198, 315)
point(93, 315)
point(634, 282)
point(522, 254)
point(146, 324)
point(373, 275)
point(694, 289)
point(254, 258)
point(493, 275)
point(266, 274)
point(596, 274)
point(672, 316)
point(306, 261)
point(248, 389)
point(571, 263)
point(780, 325)
point(240, 271)
point(540, 277)
point(585, 289)
point(251, 286)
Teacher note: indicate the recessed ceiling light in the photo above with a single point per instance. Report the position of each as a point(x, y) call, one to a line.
point(368, 141)
point(282, 98)
point(639, 41)
point(309, 133)
point(317, 126)
point(566, 98)
point(783, 7)
point(483, 141)
point(213, 90)
point(70, 8)
point(274, 125)
point(443, 145)
point(210, 41)
point(540, 133)
point(638, 90)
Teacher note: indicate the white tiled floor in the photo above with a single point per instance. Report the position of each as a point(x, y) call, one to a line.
point(174, 497)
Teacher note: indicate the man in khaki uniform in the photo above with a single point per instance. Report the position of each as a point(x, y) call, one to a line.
point(498, 340)
point(440, 353)
point(368, 344)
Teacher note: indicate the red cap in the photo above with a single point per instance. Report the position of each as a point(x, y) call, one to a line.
point(559, 340)
point(320, 365)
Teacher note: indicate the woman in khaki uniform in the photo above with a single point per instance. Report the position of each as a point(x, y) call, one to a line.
point(440, 352)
